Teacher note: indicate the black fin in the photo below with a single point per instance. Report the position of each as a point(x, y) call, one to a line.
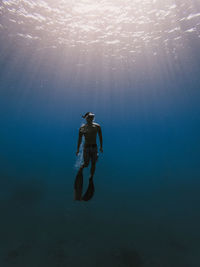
point(90, 191)
point(78, 185)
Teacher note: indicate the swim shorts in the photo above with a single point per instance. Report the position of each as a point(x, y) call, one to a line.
point(90, 152)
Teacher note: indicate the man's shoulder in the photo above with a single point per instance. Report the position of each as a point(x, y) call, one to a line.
point(82, 128)
point(96, 124)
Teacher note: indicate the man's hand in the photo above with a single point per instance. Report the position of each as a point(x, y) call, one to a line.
point(101, 149)
point(77, 152)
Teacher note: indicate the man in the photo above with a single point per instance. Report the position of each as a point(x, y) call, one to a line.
point(90, 152)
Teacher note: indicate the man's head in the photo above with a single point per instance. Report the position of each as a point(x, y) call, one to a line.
point(89, 116)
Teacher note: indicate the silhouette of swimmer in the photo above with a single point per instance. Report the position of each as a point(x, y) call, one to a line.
point(90, 152)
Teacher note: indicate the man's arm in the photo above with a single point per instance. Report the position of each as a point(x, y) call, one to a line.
point(100, 138)
point(79, 141)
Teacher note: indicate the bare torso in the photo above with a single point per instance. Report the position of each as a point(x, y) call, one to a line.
point(90, 132)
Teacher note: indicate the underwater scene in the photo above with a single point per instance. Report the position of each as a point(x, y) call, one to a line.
point(133, 67)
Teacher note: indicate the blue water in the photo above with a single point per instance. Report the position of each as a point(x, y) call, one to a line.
point(145, 211)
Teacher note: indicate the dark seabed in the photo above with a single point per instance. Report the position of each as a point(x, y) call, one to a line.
point(136, 65)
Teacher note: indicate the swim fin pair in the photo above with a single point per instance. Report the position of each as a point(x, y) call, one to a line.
point(78, 187)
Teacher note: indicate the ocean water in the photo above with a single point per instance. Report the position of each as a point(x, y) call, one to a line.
point(136, 65)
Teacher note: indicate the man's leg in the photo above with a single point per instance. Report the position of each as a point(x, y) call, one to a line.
point(84, 165)
point(90, 191)
point(92, 170)
point(94, 158)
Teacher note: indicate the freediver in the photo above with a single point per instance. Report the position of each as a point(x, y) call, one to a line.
point(90, 152)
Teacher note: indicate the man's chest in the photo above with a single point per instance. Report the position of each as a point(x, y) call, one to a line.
point(90, 130)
